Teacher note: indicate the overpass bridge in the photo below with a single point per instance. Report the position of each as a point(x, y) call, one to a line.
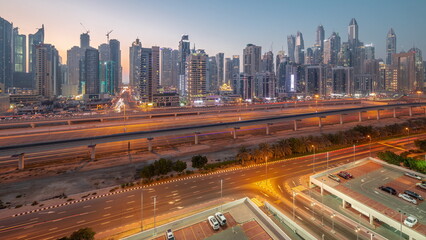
point(20, 150)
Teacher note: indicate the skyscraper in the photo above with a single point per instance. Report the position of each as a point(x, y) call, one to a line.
point(74, 57)
point(315, 81)
point(390, 46)
point(299, 54)
point(320, 36)
point(104, 52)
point(291, 44)
point(268, 62)
point(196, 74)
point(116, 58)
point(146, 83)
point(353, 33)
point(235, 65)
point(228, 70)
point(6, 53)
point(418, 62)
point(19, 51)
point(184, 51)
point(369, 51)
point(404, 63)
point(85, 40)
point(91, 71)
point(211, 74)
point(155, 68)
point(168, 66)
point(220, 68)
point(252, 58)
point(46, 70)
point(33, 41)
point(135, 52)
point(342, 81)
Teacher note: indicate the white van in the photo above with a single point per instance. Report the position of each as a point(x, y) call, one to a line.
point(213, 222)
point(220, 218)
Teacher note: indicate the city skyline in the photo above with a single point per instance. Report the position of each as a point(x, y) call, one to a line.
point(168, 30)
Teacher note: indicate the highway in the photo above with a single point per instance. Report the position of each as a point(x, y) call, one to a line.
point(106, 213)
point(39, 146)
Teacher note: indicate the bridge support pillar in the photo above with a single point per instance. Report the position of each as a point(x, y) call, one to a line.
point(267, 128)
point(150, 144)
point(341, 119)
point(295, 125)
point(69, 122)
point(32, 125)
point(319, 122)
point(234, 132)
point(344, 203)
point(196, 137)
point(21, 161)
point(410, 111)
point(101, 120)
point(359, 116)
point(371, 219)
point(92, 151)
point(394, 113)
point(378, 114)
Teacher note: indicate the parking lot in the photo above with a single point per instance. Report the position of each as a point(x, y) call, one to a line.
point(202, 230)
point(364, 187)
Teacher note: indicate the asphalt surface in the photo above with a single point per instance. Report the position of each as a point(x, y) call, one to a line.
point(109, 212)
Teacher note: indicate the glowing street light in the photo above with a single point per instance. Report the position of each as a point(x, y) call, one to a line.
point(408, 131)
point(418, 95)
point(370, 143)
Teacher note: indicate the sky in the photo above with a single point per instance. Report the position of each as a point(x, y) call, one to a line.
point(216, 25)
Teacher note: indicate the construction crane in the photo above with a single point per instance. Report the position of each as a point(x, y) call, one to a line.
point(87, 31)
point(108, 35)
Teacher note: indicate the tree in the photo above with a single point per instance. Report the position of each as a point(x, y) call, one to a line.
point(199, 161)
point(148, 171)
point(163, 166)
point(179, 166)
point(81, 234)
point(420, 144)
point(243, 155)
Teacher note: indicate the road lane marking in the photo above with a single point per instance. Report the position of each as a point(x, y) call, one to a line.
point(31, 220)
point(128, 209)
point(107, 208)
point(53, 229)
point(197, 191)
point(22, 236)
point(87, 206)
point(211, 182)
point(62, 212)
point(105, 223)
point(199, 197)
point(82, 221)
point(193, 187)
point(106, 215)
point(131, 202)
point(131, 196)
point(109, 201)
point(129, 216)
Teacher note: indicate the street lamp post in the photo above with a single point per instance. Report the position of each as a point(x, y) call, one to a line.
point(221, 194)
point(313, 205)
point(369, 144)
point(357, 229)
point(408, 131)
point(332, 222)
point(400, 216)
point(155, 202)
point(354, 152)
point(266, 170)
point(142, 206)
point(294, 200)
point(313, 160)
point(327, 159)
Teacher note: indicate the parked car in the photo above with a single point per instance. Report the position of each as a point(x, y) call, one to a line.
point(413, 195)
point(410, 221)
point(407, 198)
point(213, 222)
point(421, 185)
point(220, 218)
point(412, 175)
point(170, 235)
point(388, 190)
point(345, 175)
point(334, 177)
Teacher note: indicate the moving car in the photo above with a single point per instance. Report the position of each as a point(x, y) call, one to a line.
point(410, 221)
point(412, 175)
point(407, 198)
point(345, 175)
point(220, 218)
point(334, 177)
point(421, 185)
point(413, 195)
point(170, 235)
point(388, 190)
point(213, 222)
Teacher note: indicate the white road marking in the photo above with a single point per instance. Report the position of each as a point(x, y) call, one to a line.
point(109, 201)
point(82, 221)
point(106, 215)
point(129, 216)
point(131, 196)
point(32, 219)
point(107, 208)
point(53, 229)
point(87, 206)
point(199, 197)
point(105, 223)
point(193, 187)
point(211, 182)
point(131, 202)
point(128, 209)
point(62, 212)
point(22, 236)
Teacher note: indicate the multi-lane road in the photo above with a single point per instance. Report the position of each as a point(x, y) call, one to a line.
point(106, 213)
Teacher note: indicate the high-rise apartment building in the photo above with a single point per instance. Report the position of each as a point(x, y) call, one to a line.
point(235, 65)
point(91, 71)
point(85, 40)
point(33, 41)
point(104, 52)
point(115, 56)
point(252, 59)
point(353, 37)
point(146, 84)
point(135, 52)
point(229, 67)
point(211, 72)
point(184, 51)
point(320, 36)
point(196, 75)
point(220, 68)
point(315, 81)
point(342, 81)
point(169, 68)
point(155, 68)
point(404, 63)
point(390, 46)
point(299, 53)
point(46, 70)
point(291, 45)
point(19, 51)
point(6, 53)
point(267, 64)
